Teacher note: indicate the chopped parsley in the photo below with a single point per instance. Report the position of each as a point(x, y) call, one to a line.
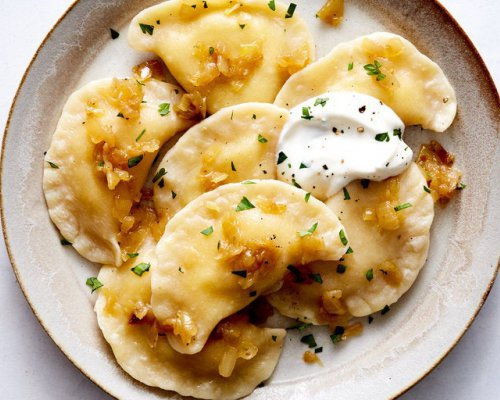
point(161, 173)
point(233, 168)
point(297, 275)
point(205, 5)
point(306, 114)
point(181, 270)
point(120, 115)
point(316, 278)
point(397, 132)
point(65, 242)
point(281, 157)
point(349, 250)
point(385, 310)
point(374, 70)
point(114, 34)
point(261, 139)
point(347, 196)
point(242, 26)
point(100, 163)
point(132, 255)
point(426, 189)
point(291, 10)
point(301, 326)
point(342, 237)
point(318, 350)
point(350, 66)
point(402, 206)
point(309, 232)
point(161, 184)
point(296, 184)
point(140, 135)
point(242, 273)
point(370, 319)
point(382, 137)
point(164, 109)
point(302, 166)
point(272, 5)
point(341, 268)
point(369, 274)
point(248, 183)
point(93, 283)
point(53, 165)
point(274, 337)
point(147, 29)
point(337, 334)
point(208, 231)
point(245, 204)
point(140, 83)
point(307, 197)
point(174, 195)
point(309, 340)
point(254, 116)
point(461, 186)
point(132, 162)
point(365, 183)
point(320, 101)
point(211, 50)
point(139, 269)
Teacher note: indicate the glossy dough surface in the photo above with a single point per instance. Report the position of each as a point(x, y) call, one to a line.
point(373, 248)
point(149, 358)
point(90, 187)
point(414, 86)
point(218, 273)
point(230, 52)
point(233, 145)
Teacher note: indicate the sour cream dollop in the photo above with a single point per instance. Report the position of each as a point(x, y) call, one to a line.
point(338, 137)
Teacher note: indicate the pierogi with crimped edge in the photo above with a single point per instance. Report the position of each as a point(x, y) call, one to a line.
point(235, 144)
point(231, 245)
point(230, 52)
point(237, 357)
point(100, 155)
point(385, 66)
point(387, 250)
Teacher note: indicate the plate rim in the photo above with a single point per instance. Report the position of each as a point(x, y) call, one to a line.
point(439, 8)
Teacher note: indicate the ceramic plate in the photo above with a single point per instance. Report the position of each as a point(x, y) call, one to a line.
point(396, 350)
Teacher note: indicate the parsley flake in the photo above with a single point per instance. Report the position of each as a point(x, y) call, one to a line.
point(233, 168)
point(272, 5)
point(132, 162)
point(350, 66)
point(342, 237)
point(174, 195)
point(385, 310)
point(120, 115)
point(114, 34)
point(309, 340)
point(261, 139)
point(306, 114)
point(316, 278)
point(302, 166)
point(147, 29)
point(159, 174)
point(291, 10)
point(302, 326)
point(426, 189)
point(65, 242)
point(248, 183)
point(337, 334)
point(318, 350)
point(402, 206)
point(132, 255)
point(208, 231)
point(309, 232)
point(382, 137)
point(349, 250)
point(461, 186)
point(245, 204)
point(274, 337)
point(53, 165)
point(93, 283)
point(341, 268)
point(320, 101)
point(369, 274)
point(281, 157)
point(164, 109)
point(211, 50)
point(347, 196)
point(398, 133)
point(365, 183)
point(139, 269)
point(370, 319)
point(242, 26)
point(140, 135)
point(242, 273)
point(307, 197)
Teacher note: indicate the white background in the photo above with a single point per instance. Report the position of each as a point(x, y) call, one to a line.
point(32, 367)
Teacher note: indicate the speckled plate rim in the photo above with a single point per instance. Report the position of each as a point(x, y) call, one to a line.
point(439, 8)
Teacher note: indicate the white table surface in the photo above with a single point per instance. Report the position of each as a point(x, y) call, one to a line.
point(32, 367)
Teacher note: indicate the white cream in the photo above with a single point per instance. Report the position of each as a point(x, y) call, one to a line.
point(335, 138)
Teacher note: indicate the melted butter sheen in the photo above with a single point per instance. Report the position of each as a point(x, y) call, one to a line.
point(335, 138)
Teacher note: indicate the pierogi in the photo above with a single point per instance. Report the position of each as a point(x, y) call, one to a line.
point(231, 245)
point(388, 223)
point(385, 66)
point(230, 52)
point(237, 358)
point(235, 144)
point(100, 155)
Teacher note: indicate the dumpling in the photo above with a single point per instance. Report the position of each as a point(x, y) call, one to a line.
point(105, 142)
point(231, 245)
point(233, 145)
point(230, 52)
point(385, 66)
point(387, 250)
point(238, 357)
